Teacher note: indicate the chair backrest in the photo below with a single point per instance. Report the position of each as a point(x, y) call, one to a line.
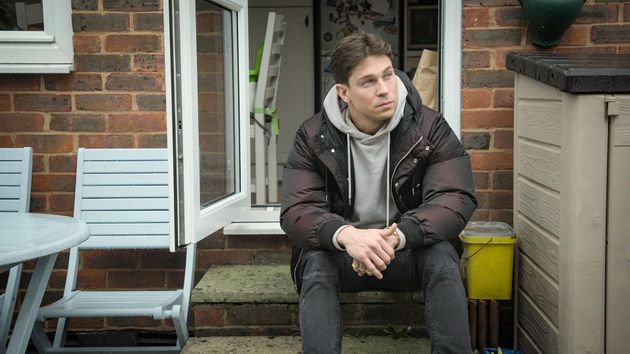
point(15, 179)
point(270, 63)
point(122, 194)
point(15, 195)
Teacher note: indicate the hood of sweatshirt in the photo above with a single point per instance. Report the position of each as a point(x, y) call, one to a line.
point(368, 162)
point(336, 110)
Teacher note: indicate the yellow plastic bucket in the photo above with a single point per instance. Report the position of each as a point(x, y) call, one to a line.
point(488, 259)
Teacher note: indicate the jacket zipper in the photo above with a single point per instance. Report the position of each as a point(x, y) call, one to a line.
point(396, 167)
point(326, 188)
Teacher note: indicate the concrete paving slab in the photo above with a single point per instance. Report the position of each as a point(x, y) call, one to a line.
point(292, 345)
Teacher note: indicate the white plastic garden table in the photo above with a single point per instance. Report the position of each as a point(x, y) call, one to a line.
point(40, 237)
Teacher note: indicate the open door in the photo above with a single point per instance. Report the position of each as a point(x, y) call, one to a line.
point(206, 65)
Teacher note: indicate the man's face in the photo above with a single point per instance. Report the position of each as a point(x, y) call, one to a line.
point(371, 93)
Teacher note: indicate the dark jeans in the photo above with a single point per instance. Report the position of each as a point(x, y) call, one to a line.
point(433, 269)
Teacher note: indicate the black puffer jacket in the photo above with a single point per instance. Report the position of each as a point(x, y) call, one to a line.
point(431, 180)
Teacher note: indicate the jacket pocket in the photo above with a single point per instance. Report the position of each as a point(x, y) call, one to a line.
point(410, 191)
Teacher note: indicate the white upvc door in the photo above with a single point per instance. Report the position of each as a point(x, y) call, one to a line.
point(207, 114)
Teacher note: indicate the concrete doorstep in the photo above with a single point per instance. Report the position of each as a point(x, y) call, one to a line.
point(292, 345)
point(271, 283)
point(260, 300)
point(254, 309)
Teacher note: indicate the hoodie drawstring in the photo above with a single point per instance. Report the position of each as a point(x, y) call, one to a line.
point(349, 169)
point(387, 184)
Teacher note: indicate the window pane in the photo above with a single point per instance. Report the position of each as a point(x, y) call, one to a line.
point(25, 15)
point(215, 70)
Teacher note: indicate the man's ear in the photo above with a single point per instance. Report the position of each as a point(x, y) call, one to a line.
point(342, 91)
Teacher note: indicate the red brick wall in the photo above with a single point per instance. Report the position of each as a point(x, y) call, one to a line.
point(115, 98)
point(491, 29)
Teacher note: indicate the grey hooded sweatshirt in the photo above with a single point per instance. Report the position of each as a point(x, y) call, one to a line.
point(368, 175)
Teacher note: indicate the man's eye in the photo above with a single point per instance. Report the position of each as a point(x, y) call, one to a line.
point(388, 75)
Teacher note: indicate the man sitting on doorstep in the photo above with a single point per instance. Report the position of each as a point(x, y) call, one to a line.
point(374, 188)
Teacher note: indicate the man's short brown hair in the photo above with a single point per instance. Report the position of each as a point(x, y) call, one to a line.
point(351, 50)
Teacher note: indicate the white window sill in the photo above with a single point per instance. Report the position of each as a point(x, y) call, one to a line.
point(253, 228)
point(36, 68)
point(259, 221)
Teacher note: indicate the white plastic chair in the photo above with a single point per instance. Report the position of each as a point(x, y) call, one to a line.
point(123, 196)
point(265, 104)
point(15, 195)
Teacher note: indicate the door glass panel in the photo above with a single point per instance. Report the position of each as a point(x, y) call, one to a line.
point(25, 15)
point(216, 104)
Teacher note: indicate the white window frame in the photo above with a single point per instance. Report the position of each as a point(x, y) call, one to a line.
point(451, 63)
point(48, 51)
point(189, 222)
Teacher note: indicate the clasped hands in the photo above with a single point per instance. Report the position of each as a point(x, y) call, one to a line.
point(371, 249)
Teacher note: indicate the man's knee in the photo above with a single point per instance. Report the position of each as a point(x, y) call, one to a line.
point(318, 263)
point(440, 256)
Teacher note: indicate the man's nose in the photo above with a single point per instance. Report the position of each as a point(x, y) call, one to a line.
point(381, 88)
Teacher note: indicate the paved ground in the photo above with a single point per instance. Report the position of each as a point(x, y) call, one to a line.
point(292, 345)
